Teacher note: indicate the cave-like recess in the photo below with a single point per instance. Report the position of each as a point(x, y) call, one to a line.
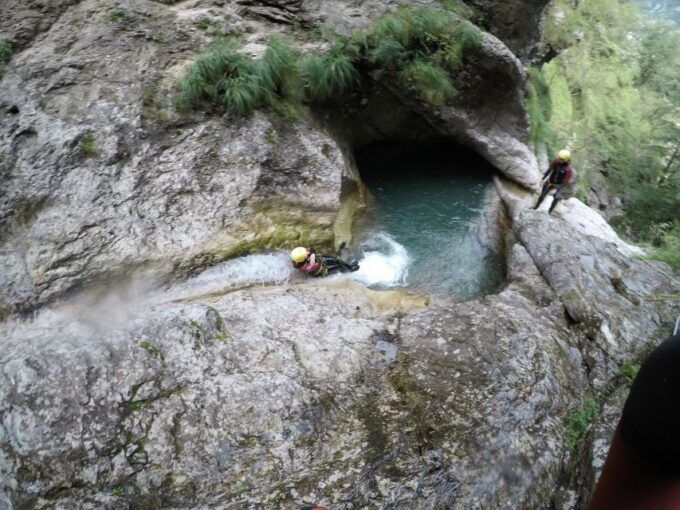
point(434, 198)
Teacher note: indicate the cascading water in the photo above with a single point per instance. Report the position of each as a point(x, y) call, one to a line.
point(425, 230)
point(258, 269)
point(424, 234)
point(384, 262)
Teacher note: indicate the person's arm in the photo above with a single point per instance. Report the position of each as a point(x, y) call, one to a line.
point(311, 265)
point(630, 481)
point(642, 470)
point(567, 176)
point(551, 167)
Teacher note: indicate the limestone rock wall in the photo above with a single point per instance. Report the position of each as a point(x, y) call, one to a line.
point(273, 396)
point(101, 177)
point(321, 392)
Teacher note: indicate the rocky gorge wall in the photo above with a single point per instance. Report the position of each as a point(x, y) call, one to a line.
point(272, 396)
point(90, 137)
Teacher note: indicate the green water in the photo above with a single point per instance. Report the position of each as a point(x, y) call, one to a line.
point(429, 198)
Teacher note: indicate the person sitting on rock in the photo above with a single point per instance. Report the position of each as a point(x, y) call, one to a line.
point(309, 262)
point(555, 178)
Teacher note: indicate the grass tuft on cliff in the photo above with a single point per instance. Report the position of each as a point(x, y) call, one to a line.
point(578, 421)
point(88, 145)
point(416, 48)
point(427, 80)
point(5, 54)
point(238, 83)
point(328, 74)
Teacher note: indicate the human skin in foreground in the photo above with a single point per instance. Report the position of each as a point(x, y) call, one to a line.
point(642, 470)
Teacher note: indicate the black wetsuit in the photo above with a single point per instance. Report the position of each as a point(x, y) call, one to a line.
point(642, 470)
point(651, 416)
point(334, 264)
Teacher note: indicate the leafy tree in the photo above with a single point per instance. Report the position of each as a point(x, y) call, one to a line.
point(612, 95)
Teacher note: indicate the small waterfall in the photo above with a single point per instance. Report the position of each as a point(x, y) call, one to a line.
point(384, 263)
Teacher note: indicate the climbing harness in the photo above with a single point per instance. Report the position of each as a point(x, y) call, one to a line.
point(323, 267)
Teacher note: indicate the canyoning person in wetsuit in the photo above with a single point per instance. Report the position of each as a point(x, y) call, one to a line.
point(555, 178)
point(309, 262)
point(642, 470)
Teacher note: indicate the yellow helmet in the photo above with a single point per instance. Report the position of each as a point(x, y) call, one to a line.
point(299, 254)
point(564, 155)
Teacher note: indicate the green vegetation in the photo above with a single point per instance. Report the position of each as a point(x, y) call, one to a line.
point(151, 348)
point(5, 54)
point(329, 74)
point(272, 137)
point(629, 371)
point(152, 110)
point(87, 145)
point(296, 355)
point(578, 421)
point(198, 333)
point(613, 97)
point(118, 491)
point(240, 487)
point(134, 404)
point(238, 83)
point(120, 16)
point(222, 336)
point(197, 328)
point(206, 24)
point(213, 27)
point(416, 48)
point(669, 251)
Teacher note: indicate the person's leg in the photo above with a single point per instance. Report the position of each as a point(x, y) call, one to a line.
point(332, 262)
point(544, 193)
point(555, 200)
point(346, 265)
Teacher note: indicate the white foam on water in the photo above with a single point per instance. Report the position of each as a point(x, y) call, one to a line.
point(262, 269)
point(385, 262)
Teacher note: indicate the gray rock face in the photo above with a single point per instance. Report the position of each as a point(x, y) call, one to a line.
point(317, 392)
point(341, 403)
point(238, 395)
point(25, 20)
point(100, 177)
point(477, 119)
point(517, 24)
point(586, 462)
